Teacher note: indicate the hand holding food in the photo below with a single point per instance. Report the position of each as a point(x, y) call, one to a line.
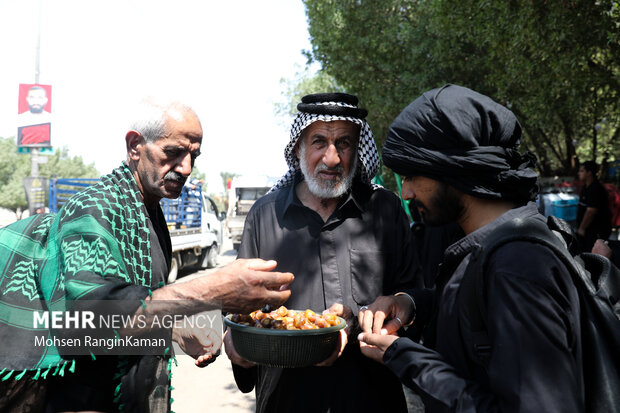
point(374, 345)
point(386, 314)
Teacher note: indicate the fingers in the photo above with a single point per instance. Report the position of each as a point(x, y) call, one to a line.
point(275, 280)
point(365, 318)
point(336, 308)
point(260, 265)
point(205, 360)
point(378, 322)
point(232, 354)
point(371, 321)
point(382, 342)
point(342, 343)
point(372, 353)
point(275, 298)
point(369, 348)
point(391, 327)
point(340, 310)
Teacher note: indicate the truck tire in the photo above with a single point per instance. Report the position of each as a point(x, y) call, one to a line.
point(212, 256)
point(236, 246)
point(174, 269)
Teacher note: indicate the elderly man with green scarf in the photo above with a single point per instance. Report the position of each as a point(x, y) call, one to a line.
point(111, 242)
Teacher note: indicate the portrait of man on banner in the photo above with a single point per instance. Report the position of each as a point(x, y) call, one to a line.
point(34, 115)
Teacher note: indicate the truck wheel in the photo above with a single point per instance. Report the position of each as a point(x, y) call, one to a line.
point(212, 256)
point(174, 269)
point(236, 246)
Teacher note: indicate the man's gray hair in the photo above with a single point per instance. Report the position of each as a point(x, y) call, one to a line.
point(151, 115)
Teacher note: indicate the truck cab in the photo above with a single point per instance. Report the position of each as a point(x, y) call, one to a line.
point(195, 226)
point(244, 192)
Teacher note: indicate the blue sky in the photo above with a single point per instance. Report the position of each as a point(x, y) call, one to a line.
point(225, 58)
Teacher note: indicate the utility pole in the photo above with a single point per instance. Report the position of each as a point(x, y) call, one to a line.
point(34, 169)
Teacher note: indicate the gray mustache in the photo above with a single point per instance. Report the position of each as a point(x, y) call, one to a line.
point(323, 167)
point(175, 176)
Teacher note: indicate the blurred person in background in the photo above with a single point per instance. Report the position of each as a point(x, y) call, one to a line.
point(593, 213)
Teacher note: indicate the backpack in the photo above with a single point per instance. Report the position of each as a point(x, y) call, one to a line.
point(598, 285)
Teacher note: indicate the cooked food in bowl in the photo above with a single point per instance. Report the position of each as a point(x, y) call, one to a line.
point(285, 319)
point(285, 338)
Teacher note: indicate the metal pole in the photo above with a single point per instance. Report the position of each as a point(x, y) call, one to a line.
point(34, 170)
point(38, 50)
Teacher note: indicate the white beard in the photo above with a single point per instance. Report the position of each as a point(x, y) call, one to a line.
point(326, 189)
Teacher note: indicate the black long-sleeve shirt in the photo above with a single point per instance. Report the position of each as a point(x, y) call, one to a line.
point(533, 327)
point(362, 251)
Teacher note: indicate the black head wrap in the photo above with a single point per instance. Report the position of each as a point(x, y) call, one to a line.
point(455, 135)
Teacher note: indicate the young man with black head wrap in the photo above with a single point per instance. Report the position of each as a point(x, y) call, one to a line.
point(346, 241)
point(457, 150)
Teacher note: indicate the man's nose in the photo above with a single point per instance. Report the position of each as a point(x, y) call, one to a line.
point(184, 165)
point(406, 192)
point(331, 158)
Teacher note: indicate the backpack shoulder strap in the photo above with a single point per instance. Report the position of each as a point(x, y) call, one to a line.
point(472, 296)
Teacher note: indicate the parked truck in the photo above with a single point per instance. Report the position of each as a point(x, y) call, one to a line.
point(193, 219)
point(244, 191)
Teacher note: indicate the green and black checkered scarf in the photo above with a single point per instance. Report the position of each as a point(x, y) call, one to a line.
point(99, 241)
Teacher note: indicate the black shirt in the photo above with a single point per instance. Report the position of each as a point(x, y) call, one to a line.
point(595, 196)
point(363, 250)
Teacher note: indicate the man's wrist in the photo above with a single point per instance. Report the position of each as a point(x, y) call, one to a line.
point(412, 307)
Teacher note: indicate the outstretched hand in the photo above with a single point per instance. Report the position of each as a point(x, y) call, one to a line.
point(200, 343)
point(246, 285)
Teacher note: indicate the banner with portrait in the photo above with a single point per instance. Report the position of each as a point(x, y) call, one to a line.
point(34, 115)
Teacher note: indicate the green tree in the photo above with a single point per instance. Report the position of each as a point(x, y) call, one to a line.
point(14, 167)
point(554, 63)
point(225, 176)
point(304, 83)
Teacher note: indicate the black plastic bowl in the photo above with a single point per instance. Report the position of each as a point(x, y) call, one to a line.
point(284, 348)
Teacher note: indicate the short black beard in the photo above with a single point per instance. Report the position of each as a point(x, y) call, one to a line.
point(445, 207)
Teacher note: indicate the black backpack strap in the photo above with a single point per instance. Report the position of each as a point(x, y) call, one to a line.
point(566, 231)
point(598, 284)
point(472, 291)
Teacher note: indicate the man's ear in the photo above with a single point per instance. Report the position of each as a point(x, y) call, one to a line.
point(133, 141)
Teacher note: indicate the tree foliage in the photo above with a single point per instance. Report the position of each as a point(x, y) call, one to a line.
point(14, 167)
point(304, 83)
point(555, 63)
point(225, 176)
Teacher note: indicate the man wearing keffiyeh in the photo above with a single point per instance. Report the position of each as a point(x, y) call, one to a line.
point(345, 240)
